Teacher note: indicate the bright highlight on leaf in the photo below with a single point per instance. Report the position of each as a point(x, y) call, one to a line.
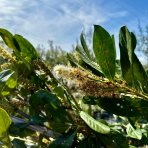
point(5, 122)
point(94, 124)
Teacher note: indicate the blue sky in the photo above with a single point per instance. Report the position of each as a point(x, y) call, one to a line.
point(63, 20)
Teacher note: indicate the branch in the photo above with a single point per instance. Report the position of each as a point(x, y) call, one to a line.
point(41, 129)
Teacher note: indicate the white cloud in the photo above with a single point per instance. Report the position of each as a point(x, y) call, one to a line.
point(59, 21)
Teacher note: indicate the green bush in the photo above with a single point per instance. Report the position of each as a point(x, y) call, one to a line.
point(38, 107)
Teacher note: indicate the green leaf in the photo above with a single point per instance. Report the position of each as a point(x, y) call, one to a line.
point(17, 143)
point(64, 141)
point(72, 60)
point(11, 83)
point(104, 50)
point(113, 40)
point(5, 75)
point(134, 133)
point(49, 103)
point(85, 46)
point(132, 70)
point(27, 50)
point(139, 74)
point(22, 49)
point(94, 67)
point(8, 38)
point(89, 65)
point(94, 124)
point(59, 91)
point(128, 41)
point(5, 122)
point(8, 81)
point(125, 106)
point(90, 142)
point(20, 129)
point(114, 140)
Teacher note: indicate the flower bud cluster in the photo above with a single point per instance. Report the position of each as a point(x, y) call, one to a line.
point(99, 89)
point(5, 65)
point(96, 88)
point(6, 55)
point(65, 72)
point(27, 84)
point(6, 106)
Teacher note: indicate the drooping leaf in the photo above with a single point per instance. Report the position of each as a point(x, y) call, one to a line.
point(5, 122)
point(94, 124)
point(104, 50)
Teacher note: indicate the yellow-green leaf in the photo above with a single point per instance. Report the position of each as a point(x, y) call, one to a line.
point(94, 124)
point(5, 122)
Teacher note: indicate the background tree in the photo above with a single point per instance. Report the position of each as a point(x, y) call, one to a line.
point(143, 41)
point(53, 55)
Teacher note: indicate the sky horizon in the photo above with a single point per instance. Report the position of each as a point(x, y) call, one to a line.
point(62, 22)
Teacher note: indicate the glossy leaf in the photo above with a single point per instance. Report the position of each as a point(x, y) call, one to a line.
point(132, 70)
point(8, 38)
point(94, 124)
point(5, 75)
point(27, 50)
point(128, 41)
point(104, 50)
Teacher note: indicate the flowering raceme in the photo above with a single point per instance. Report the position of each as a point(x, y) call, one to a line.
point(85, 83)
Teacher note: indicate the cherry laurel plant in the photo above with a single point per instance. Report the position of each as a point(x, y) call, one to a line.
point(93, 101)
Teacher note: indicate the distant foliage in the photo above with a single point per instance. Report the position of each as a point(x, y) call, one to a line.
point(53, 55)
point(143, 41)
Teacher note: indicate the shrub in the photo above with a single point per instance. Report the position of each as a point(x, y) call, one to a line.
point(38, 107)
